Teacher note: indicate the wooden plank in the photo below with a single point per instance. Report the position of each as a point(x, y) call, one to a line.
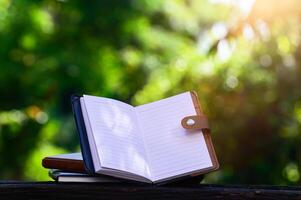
point(51, 190)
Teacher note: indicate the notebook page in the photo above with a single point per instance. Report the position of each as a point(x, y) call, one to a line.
point(68, 156)
point(94, 154)
point(171, 149)
point(117, 139)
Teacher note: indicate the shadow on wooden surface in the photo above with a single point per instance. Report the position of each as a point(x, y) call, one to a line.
point(52, 190)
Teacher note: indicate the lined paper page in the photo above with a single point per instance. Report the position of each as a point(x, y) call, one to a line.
point(171, 149)
point(118, 141)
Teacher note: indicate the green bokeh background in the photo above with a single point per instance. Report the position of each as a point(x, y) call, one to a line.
point(243, 58)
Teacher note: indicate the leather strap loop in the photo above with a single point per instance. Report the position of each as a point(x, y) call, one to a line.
point(195, 122)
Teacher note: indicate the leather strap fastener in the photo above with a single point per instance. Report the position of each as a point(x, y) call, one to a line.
point(195, 122)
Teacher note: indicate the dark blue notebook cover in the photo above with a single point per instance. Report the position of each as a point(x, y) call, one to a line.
point(82, 133)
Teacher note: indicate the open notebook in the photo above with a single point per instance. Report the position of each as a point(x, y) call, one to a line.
point(146, 143)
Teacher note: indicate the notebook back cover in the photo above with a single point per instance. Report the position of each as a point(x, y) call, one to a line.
point(81, 129)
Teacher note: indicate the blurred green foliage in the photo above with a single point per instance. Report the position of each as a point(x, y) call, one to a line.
point(242, 57)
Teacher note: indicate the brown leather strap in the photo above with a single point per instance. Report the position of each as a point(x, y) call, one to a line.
point(195, 122)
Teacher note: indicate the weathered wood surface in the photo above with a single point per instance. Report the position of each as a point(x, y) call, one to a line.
point(51, 190)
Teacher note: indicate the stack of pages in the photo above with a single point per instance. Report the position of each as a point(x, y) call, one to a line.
point(147, 143)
